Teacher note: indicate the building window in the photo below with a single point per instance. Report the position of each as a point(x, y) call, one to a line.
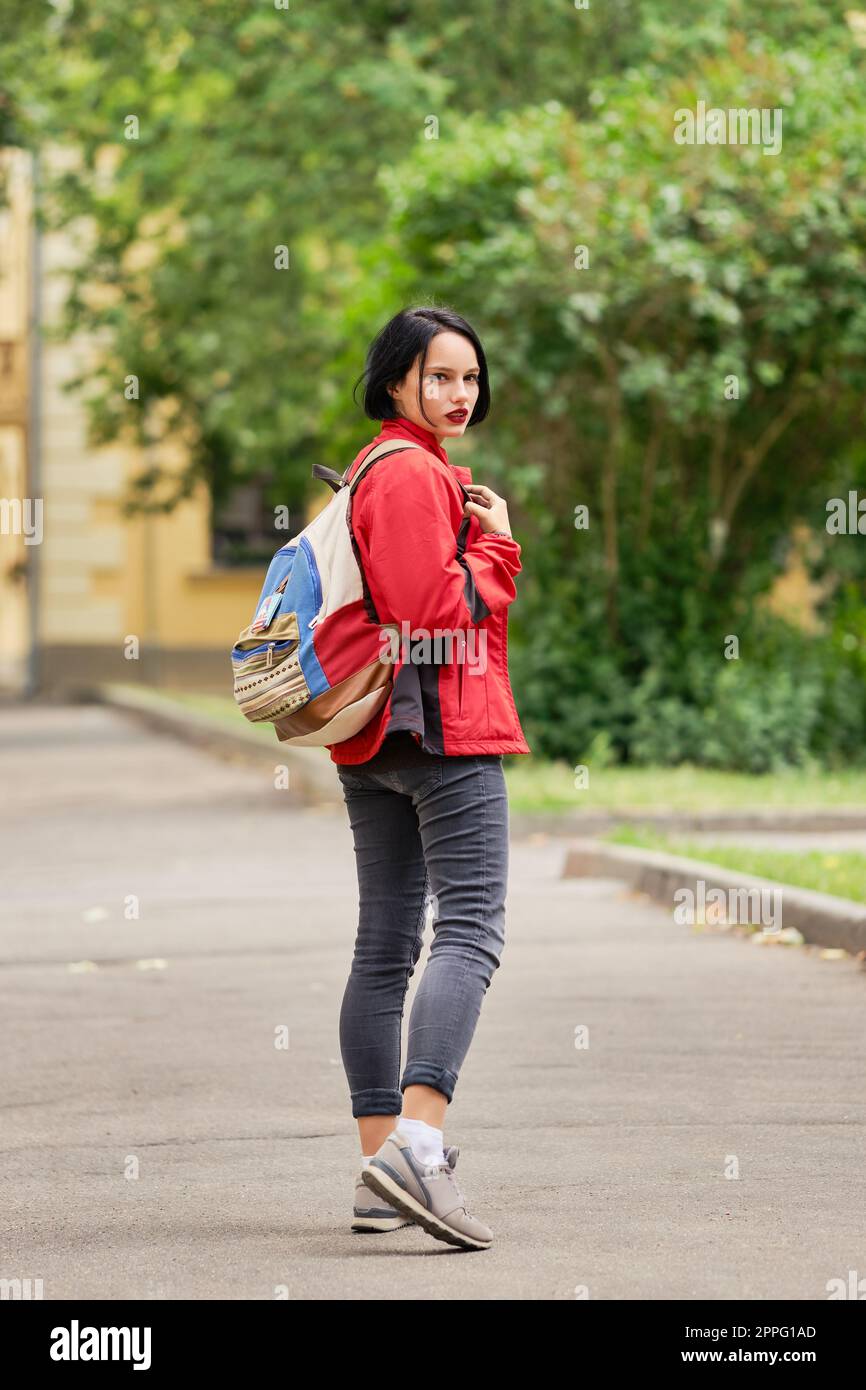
point(244, 527)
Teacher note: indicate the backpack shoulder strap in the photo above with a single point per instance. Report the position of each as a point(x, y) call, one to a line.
point(338, 481)
point(373, 455)
point(380, 451)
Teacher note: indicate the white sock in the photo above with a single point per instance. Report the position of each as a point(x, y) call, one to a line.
point(424, 1140)
point(365, 1161)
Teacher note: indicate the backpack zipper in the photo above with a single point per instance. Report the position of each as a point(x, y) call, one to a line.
point(238, 654)
point(307, 551)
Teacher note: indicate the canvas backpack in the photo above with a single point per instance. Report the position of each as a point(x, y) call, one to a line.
point(317, 575)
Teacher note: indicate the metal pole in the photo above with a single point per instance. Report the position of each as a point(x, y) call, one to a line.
point(34, 430)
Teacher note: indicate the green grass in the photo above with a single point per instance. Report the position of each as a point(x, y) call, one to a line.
point(536, 785)
point(842, 874)
point(216, 708)
point(543, 786)
point(219, 707)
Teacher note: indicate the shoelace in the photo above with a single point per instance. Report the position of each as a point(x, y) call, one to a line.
point(449, 1171)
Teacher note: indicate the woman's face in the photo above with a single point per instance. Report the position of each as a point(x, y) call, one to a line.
point(449, 390)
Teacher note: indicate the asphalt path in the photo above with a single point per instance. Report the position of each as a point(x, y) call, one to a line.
point(165, 913)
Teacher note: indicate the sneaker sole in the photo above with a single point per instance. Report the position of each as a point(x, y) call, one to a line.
point(380, 1224)
point(385, 1186)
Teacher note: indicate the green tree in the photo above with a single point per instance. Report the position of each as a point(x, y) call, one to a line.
point(710, 267)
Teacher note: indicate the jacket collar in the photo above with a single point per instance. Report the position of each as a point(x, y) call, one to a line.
point(401, 428)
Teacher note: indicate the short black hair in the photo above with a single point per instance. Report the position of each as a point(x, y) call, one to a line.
point(394, 350)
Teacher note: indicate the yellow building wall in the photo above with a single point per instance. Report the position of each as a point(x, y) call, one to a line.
point(106, 578)
point(14, 306)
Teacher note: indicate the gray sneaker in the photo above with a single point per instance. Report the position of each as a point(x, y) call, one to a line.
point(428, 1194)
point(372, 1214)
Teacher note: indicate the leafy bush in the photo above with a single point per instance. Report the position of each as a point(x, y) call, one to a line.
point(788, 700)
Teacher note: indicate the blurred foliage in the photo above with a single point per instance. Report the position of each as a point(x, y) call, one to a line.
point(309, 128)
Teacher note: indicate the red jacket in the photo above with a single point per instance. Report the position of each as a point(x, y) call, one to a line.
point(406, 514)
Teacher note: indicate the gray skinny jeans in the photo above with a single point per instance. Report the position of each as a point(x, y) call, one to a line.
point(419, 830)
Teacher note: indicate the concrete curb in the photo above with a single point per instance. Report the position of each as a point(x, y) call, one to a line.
point(578, 823)
point(311, 773)
point(822, 919)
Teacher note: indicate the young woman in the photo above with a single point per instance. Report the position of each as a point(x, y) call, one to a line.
point(423, 780)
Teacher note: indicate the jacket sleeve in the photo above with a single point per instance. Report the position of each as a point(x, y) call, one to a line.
point(405, 531)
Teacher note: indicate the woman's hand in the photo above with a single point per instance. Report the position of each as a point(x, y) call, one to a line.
point(491, 510)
